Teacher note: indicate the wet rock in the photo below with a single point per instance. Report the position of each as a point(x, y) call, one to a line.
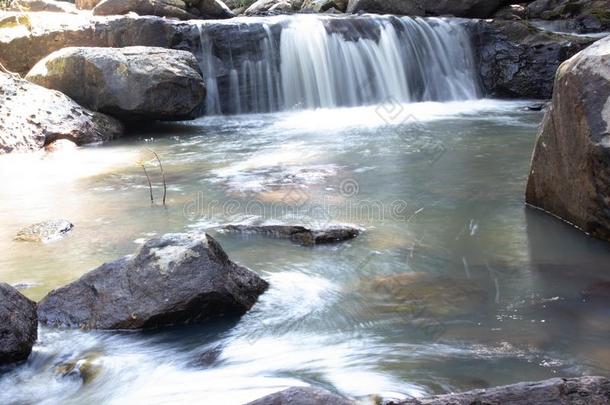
point(570, 170)
point(46, 231)
point(422, 296)
point(132, 83)
point(321, 6)
point(174, 279)
point(86, 368)
point(575, 391)
point(302, 396)
point(512, 12)
point(18, 325)
point(214, 9)
point(517, 60)
point(32, 116)
point(299, 234)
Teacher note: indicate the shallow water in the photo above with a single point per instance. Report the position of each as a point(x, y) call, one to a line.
point(439, 189)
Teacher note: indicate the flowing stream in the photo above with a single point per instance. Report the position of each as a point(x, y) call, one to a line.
point(511, 294)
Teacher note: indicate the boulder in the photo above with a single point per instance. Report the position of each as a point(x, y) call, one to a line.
point(32, 116)
point(18, 325)
point(570, 170)
point(263, 7)
point(132, 83)
point(457, 8)
point(21, 49)
point(574, 391)
point(299, 234)
point(321, 6)
point(86, 4)
point(43, 5)
point(46, 231)
point(585, 16)
point(161, 8)
point(215, 9)
point(517, 60)
point(303, 396)
point(399, 7)
point(174, 279)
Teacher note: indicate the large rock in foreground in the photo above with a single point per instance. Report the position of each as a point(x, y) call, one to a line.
point(574, 391)
point(132, 83)
point(302, 396)
point(18, 325)
point(32, 116)
point(178, 278)
point(570, 172)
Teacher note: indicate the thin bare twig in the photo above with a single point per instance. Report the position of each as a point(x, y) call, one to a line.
point(142, 164)
point(162, 174)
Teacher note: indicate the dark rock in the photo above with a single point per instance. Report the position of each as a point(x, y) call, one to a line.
point(26, 125)
point(574, 391)
point(46, 231)
point(517, 60)
point(215, 9)
point(585, 15)
point(300, 234)
point(174, 279)
point(18, 325)
point(302, 396)
point(457, 8)
point(133, 83)
point(399, 7)
point(570, 171)
point(161, 8)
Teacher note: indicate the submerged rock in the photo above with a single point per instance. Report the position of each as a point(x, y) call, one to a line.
point(300, 234)
point(419, 296)
point(570, 168)
point(18, 325)
point(46, 231)
point(86, 368)
point(575, 391)
point(302, 396)
point(133, 83)
point(32, 116)
point(174, 279)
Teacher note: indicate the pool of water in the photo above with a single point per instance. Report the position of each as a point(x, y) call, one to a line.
point(454, 285)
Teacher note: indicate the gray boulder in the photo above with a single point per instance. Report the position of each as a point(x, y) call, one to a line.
point(302, 396)
point(264, 7)
point(399, 7)
point(215, 9)
point(45, 231)
point(299, 234)
point(132, 83)
point(570, 170)
point(573, 391)
point(517, 60)
point(174, 279)
point(161, 8)
point(18, 325)
point(32, 116)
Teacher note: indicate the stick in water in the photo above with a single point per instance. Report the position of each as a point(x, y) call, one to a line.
point(141, 162)
point(162, 174)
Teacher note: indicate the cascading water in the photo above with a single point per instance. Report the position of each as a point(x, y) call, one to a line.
point(309, 61)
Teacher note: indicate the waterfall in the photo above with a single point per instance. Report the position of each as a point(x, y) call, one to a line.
point(309, 61)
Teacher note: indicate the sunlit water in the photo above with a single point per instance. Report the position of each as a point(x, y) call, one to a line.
point(438, 188)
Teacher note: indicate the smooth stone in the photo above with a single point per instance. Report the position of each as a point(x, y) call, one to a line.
point(302, 396)
point(45, 231)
